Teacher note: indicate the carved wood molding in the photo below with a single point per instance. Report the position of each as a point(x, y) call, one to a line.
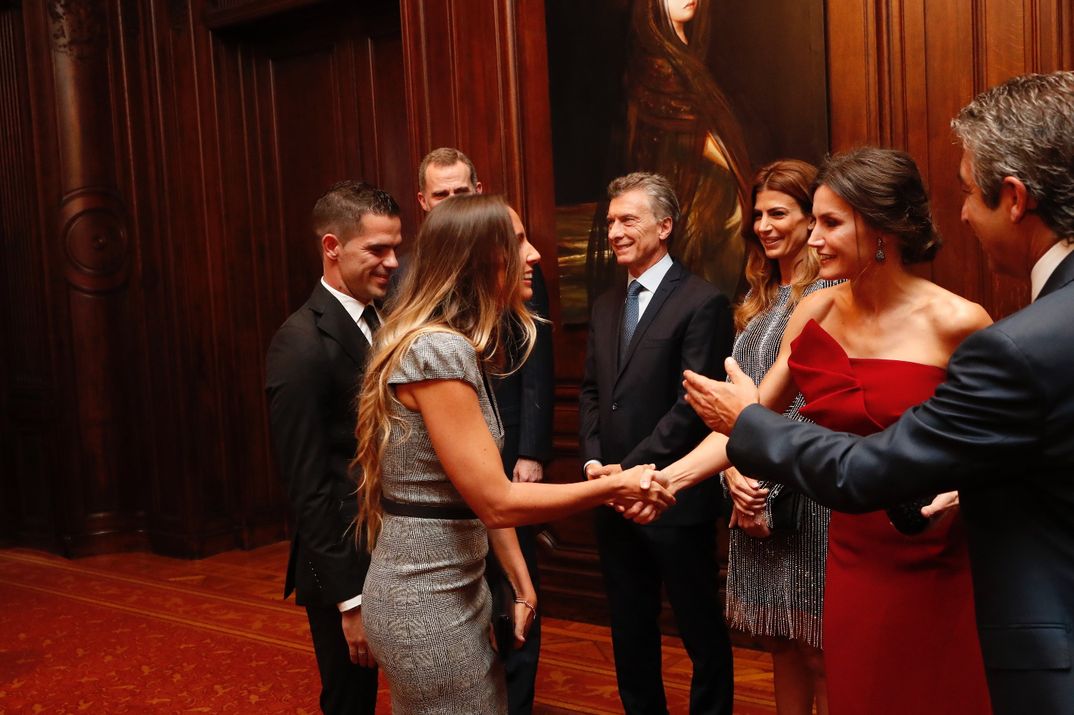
point(94, 238)
point(79, 27)
point(222, 14)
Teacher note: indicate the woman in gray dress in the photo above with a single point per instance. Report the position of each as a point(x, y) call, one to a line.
point(433, 492)
point(775, 572)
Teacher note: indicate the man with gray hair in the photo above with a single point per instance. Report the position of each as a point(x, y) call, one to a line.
point(642, 334)
point(1000, 430)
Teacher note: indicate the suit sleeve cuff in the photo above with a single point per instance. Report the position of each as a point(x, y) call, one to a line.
point(350, 603)
point(591, 461)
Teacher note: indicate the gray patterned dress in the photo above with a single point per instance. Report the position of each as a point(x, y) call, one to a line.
point(425, 605)
point(775, 586)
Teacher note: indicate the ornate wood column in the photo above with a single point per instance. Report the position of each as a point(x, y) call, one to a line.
point(93, 247)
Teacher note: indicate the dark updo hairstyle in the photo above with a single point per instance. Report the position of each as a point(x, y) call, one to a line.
point(885, 188)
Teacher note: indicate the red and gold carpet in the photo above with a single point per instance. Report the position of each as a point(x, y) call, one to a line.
point(137, 633)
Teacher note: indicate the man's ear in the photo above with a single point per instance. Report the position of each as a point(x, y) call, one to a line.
point(424, 204)
point(478, 188)
point(330, 245)
point(666, 225)
point(1019, 201)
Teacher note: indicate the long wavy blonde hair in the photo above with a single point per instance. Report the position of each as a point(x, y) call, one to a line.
point(464, 276)
point(794, 178)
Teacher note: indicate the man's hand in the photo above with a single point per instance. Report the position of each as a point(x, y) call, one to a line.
point(354, 632)
point(719, 404)
point(596, 470)
point(641, 511)
point(527, 470)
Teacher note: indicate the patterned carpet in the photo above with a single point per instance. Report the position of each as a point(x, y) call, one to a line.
point(138, 633)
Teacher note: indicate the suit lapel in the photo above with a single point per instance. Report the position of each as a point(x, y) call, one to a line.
point(1063, 274)
point(333, 320)
point(665, 289)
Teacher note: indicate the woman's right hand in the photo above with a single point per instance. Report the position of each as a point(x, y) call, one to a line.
point(642, 485)
point(746, 493)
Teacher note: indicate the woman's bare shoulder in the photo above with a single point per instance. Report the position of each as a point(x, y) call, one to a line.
point(953, 316)
point(817, 304)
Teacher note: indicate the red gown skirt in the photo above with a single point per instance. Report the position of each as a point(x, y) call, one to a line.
point(899, 629)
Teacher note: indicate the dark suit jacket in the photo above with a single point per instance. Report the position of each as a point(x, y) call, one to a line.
point(315, 364)
point(1001, 431)
point(525, 396)
point(633, 411)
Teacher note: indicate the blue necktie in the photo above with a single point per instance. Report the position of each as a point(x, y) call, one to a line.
point(630, 316)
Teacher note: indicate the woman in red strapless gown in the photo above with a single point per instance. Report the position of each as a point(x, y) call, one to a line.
point(899, 631)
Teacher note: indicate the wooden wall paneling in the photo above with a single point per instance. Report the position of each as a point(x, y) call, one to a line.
point(194, 517)
point(259, 270)
point(152, 194)
point(255, 271)
point(853, 73)
point(25, 360)
point(914, 81)
point(1004, 27)
point(537, 197)
point(949, 82)
point(383, 107)
point(305, 100)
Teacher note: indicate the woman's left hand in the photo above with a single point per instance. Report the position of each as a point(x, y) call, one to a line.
point(524, 613)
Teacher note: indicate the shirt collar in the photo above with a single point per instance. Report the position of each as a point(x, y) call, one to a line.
point(651, 278)
point(1046, 265)
point(353, 306)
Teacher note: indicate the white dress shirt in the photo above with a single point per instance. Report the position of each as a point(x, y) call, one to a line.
point(1046, 265)
point(650, 280)
point(354, 307)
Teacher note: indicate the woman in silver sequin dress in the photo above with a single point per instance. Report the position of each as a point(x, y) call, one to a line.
point(775, 573)
point(428, 435)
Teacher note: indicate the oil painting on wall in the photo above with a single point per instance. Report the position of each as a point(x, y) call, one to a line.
point(701, 91)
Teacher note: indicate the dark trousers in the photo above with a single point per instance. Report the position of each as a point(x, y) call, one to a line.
point(346, 688)
point(636, 561)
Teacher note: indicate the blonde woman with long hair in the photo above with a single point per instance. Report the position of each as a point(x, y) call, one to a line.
point(433, 492)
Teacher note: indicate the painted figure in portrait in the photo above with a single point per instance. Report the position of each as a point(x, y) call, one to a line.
point(701, 91)
point(680, 124)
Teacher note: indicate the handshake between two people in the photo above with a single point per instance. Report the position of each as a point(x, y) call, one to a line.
point(648, 492)
point(718, 404)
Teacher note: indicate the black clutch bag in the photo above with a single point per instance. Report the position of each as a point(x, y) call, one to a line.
point(503, 607)
point(786, 508)
point(907, 518)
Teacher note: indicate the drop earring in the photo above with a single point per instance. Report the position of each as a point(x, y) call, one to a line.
point(880, 256)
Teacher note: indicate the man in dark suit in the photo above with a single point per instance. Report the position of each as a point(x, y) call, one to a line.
point(641, 337)
point(1000, 429)
point(525, 402)
point(315, 365)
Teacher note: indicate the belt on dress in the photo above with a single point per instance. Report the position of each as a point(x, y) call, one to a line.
point(427, 511)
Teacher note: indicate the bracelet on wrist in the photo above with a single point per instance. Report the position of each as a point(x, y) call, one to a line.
point(527, 604)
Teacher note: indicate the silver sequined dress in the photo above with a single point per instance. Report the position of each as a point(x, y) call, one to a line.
point(425, 605)
point(775, 586)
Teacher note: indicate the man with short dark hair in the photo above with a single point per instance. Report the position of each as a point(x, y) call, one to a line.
point(642, 335)
point(443, 173)
point(524, 398)
point(1000, 430)
point(314, 368)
